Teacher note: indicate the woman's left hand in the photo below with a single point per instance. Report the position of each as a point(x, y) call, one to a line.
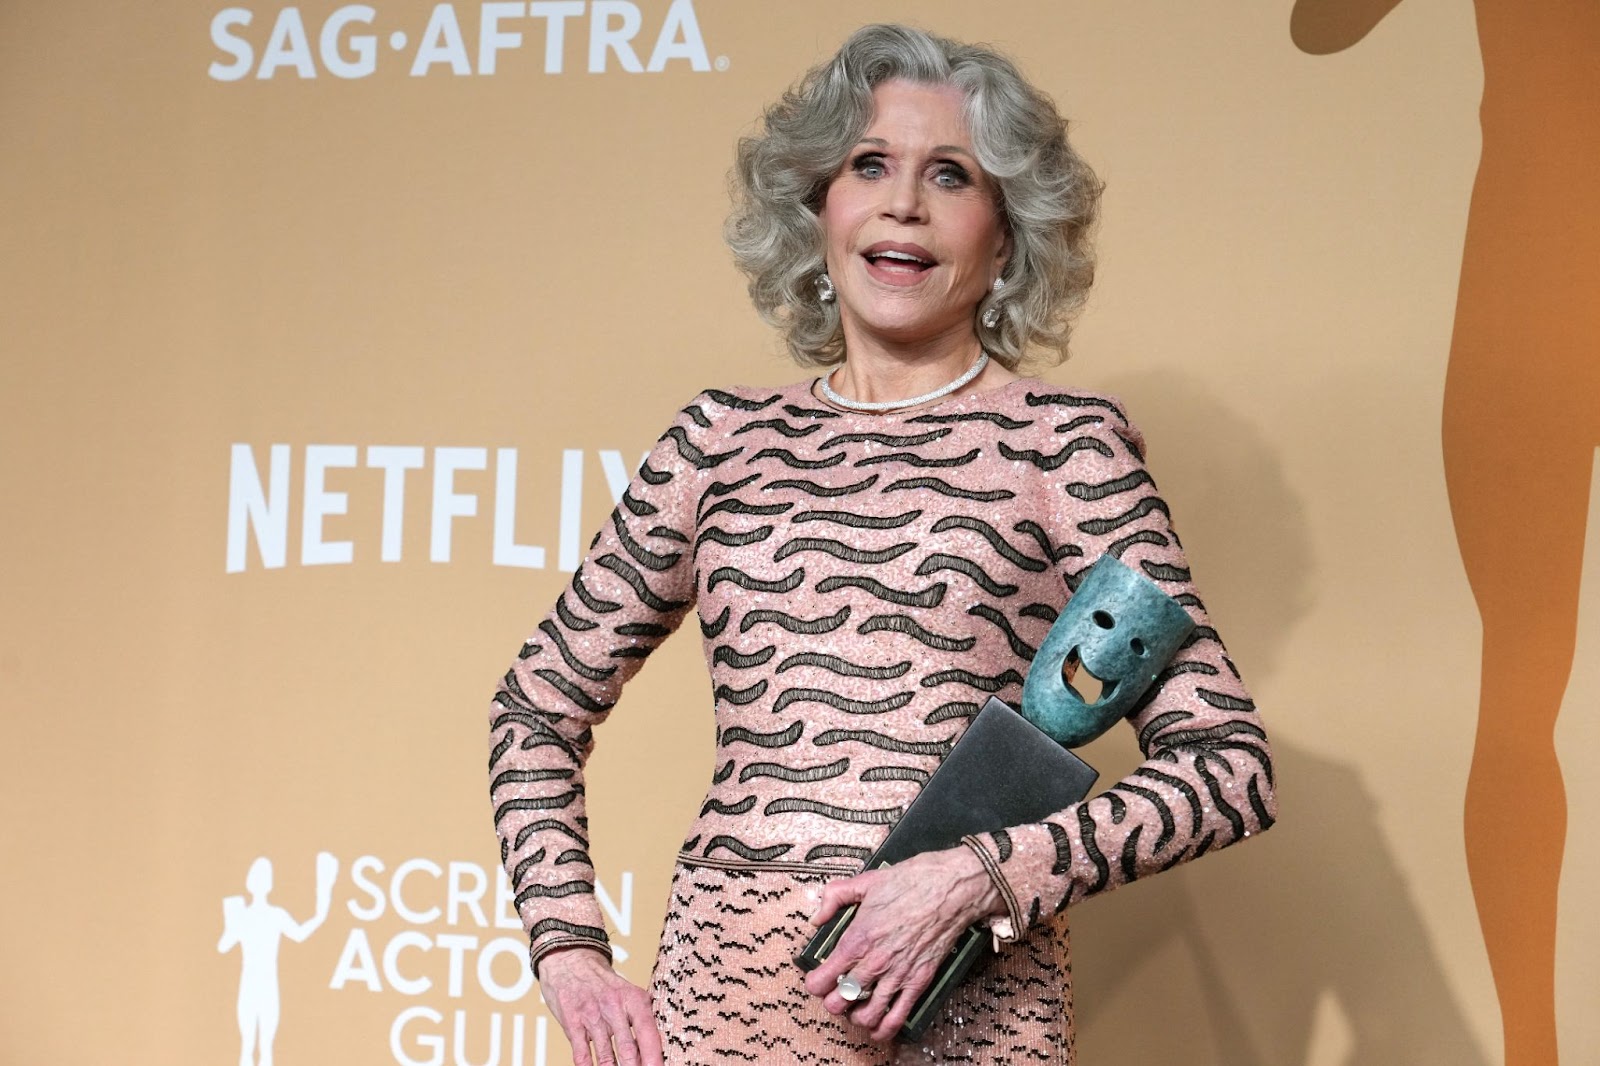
point(909, 917)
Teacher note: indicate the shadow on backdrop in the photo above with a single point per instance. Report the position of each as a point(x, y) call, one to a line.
point(1227, 938)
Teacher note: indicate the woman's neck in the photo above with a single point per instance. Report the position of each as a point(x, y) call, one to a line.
point(876, 369)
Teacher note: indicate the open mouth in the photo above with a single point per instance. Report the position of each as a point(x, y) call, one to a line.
point(898, 263)
point(1076, 676)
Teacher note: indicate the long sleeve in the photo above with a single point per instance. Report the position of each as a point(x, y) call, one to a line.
point(631, 590)
point(1206, 780)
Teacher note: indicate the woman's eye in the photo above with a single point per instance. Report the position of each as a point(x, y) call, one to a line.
point(951, 177)
point(869, 166)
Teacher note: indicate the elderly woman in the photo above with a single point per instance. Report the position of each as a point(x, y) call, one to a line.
point(871, 555)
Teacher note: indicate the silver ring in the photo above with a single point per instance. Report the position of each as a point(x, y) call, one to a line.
point(851, 988)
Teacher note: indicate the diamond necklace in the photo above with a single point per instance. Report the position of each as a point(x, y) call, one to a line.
point(892, 405)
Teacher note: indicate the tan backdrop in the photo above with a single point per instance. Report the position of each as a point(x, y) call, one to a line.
point(329, 331)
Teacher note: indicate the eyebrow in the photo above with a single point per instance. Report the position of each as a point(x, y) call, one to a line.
point(947, 149)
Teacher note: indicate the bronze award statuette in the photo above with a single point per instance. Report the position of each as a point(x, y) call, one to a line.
point(1012, 768)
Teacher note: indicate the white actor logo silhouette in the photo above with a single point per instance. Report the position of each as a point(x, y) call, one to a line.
point(257, 927)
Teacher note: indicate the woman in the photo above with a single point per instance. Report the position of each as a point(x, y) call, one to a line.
point(871, 556)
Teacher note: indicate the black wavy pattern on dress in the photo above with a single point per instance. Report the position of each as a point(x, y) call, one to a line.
point(743, 850)
point(1220, 801)
point(795, 774)
point(641, 651)
point(838, 851)
point(556, 925)
point(589, 599)
point(570, 620)
point(741, 696)
point(928, 597)
point(1040, 610)
point(739, 403)
point(1063, 844)
point(812, 488)
point(940, 561)
point(845, 518)
point(1052, 552)
point(1021, 648)
point(954, 709)
point(1003, 421)
point(978, 681)
point(548, 823)
point(531, 862)
point(1129, 860)
point(841, 703)
point(1133, 446)
point(573, 692)
point(1263, 817)
point(715, 627)
point(1200, 634)
point(750, 583)
point(792, 805)
point(1119, 807)
point(735, 505)
point(1091, 848)
point(732, 539)
point(1169, 825)
point(528, 777)
point(794, 462)
point(1143, 536)
point(1002, 843)
point(1153, 728)
point(727, 653)
point(1067, 399)
point(722, 773)
point(1087, 490)
point(843, 667)
point(810, 626)
point(694, 456)
point(623, 569)
point(890, 439)
point(503, 745)
point(903, 623)
point(840, 550)
point(783, 738)
point(921, 461)
point(1152, 774)
point(944, 488)
point(1163, 572)
point(809, 412)
point(575, 664)
point(722, 488)
point(883, 742)
point(641, 629)
point(652, 476)
point(529, 649)
point(894, 773)
point(571, 855)
point(536, 803)
point(1054, 460)
point(1079, 423)
point(1224, 701)
point(699, 416)
point(994, 537)
point(1098, 526)
point(639, 507)
point(576, 887)
point(716, 806)
point(778, 425)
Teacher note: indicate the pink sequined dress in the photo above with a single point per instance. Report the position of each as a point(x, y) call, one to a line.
point(863, 584)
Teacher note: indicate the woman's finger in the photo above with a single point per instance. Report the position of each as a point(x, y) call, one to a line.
point(837, 895)
point(618, 1021)
point(645, 1033)
point(579, 1039)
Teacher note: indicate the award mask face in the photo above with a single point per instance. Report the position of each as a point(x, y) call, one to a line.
point(1120, 628)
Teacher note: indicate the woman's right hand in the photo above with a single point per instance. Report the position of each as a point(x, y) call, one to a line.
point(595, 1005)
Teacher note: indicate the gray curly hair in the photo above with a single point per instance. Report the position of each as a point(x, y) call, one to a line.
point(1048, 194)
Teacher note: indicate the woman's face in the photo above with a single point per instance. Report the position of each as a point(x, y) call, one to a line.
point(914, 237)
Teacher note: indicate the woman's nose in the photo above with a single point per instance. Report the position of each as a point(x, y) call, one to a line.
point(903, 198)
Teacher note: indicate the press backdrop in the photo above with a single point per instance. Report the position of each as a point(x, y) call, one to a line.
point(331, 332)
